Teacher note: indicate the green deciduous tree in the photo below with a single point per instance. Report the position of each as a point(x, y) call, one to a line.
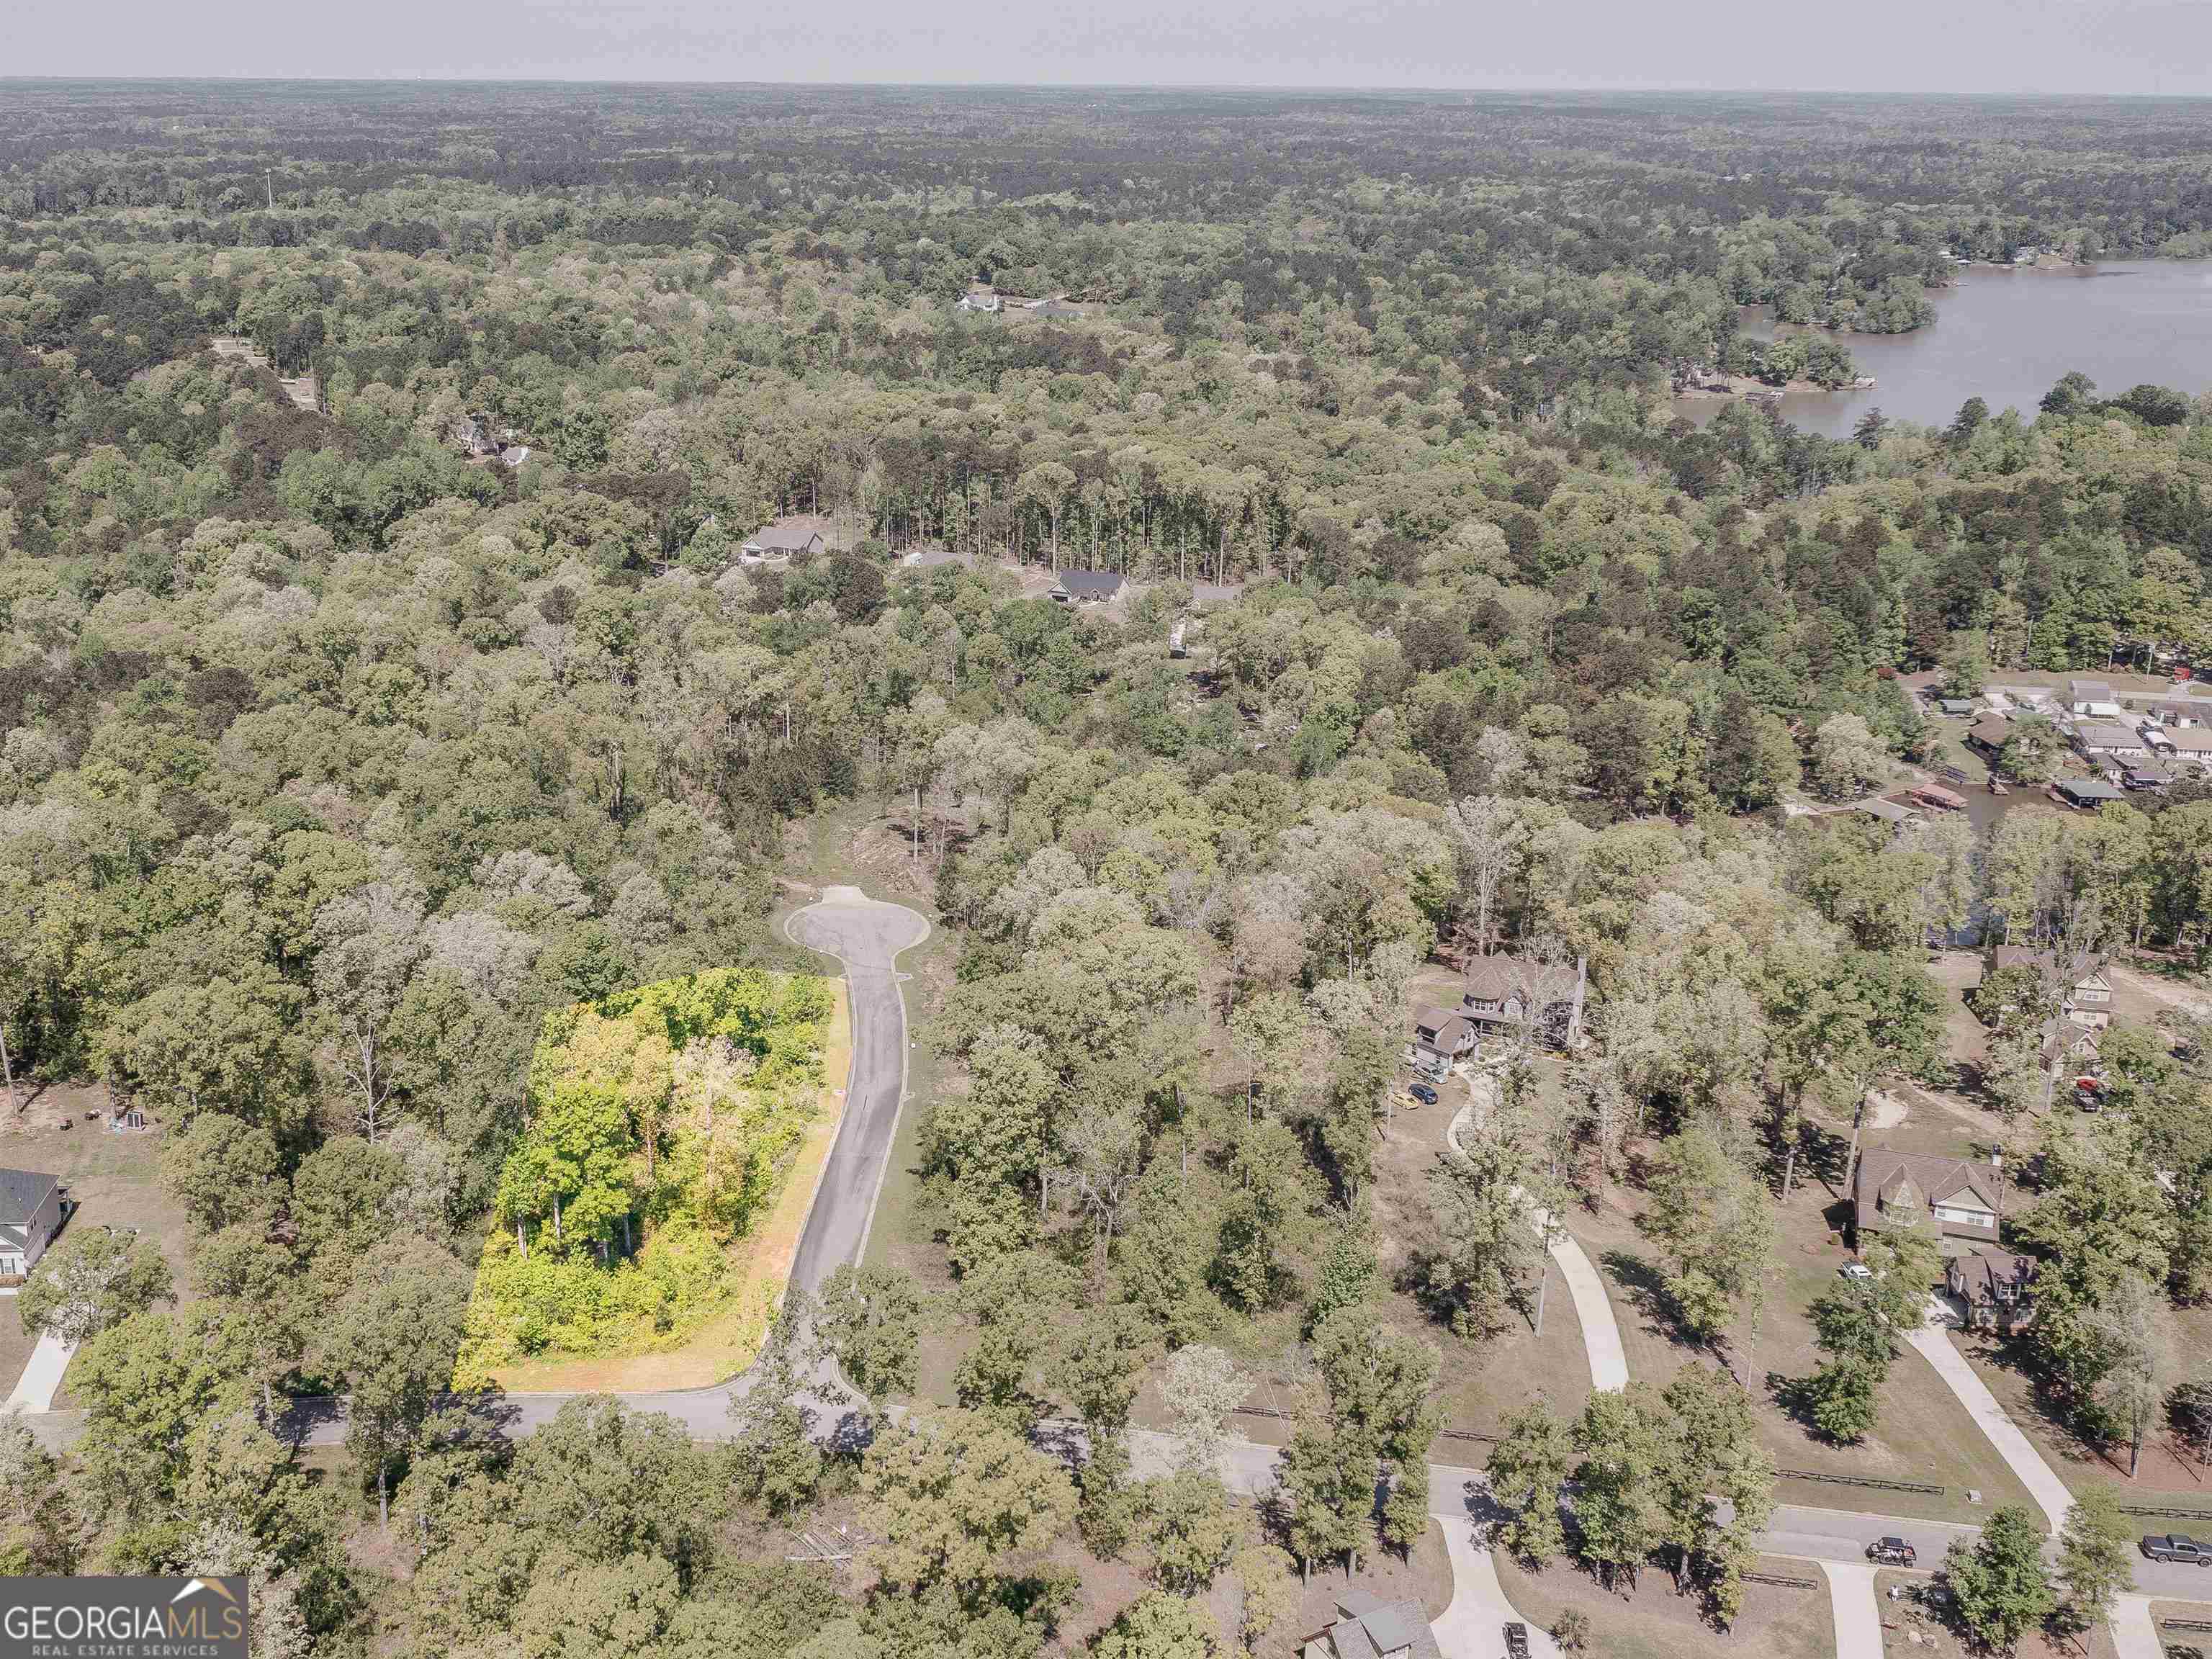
point(94, 1278)
point(2001, 1585)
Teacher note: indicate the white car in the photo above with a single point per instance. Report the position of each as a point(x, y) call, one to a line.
point(1856, 1270)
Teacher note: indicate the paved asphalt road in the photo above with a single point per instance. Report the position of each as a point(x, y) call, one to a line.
point(866, 936)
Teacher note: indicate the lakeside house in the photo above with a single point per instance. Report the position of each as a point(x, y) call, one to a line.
point(1989, 735)
point(1884, 811)
point(2109, 739)
point(2084, 993)
point(1891, 1187)
point(2086, 793)
point(1935, 796)
point(30, 1215)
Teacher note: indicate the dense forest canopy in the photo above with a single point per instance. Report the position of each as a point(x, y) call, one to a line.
point(384, 686)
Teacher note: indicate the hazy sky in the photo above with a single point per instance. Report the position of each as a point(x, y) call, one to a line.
point(1926, 45)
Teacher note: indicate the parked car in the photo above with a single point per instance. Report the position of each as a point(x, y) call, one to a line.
point(1856, 1270)
point(1422, 1092)
point(2173, 1546)
point(1516, 1639)
point(1891, 1553)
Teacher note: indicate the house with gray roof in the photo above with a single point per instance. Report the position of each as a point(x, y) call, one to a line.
point(30, 1216)
point(1087, 587)
point(786, 539)
point(1367, 1627)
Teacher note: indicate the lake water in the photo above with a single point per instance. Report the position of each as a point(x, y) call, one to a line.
point(2008, 336)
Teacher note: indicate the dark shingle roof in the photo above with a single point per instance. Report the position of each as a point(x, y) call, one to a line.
point(1088, 584)
point(21, 1192)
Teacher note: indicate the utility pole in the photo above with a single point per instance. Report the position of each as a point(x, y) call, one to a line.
point(8, 1070)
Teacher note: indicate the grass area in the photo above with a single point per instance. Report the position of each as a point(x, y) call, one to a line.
point(2187, 1612)
point(731, 1340)
point(112, 1181)
point(2168, 1472)
point(1778, 1621)
point(1923, 1435)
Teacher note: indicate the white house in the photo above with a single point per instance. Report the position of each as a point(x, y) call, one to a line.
point(2113, 738)
point(2092, 697)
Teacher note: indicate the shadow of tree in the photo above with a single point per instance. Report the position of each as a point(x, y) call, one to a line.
point(1645, 1287)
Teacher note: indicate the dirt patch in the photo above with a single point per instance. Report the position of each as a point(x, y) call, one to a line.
point(1651, 1621)
point(732, 1340)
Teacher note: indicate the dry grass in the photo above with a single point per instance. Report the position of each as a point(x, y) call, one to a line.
point(112, 1182)
point(1923, 1435)
point(1652, 1622)
point(2168, 1471)
point(732, 1340)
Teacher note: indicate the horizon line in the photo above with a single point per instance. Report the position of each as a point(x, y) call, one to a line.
point(1662, 89)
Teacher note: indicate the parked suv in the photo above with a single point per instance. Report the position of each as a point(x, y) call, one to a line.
point(1891, 1553)
point(2173, 1546)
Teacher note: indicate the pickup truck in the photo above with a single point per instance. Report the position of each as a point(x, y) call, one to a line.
point(2173, 1546)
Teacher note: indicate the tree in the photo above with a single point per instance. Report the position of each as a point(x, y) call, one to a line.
point(1157, 1626)
point(1571, 1630)
point(1489, 835)
point(1623, 1443)
point(871, 1319)
point(773, 1452)
point(1717, 1462)
point(2134, 1329)
point(1482, 1251)
point(393, 1338)
point(1715, 1222)
point(1189, 1529)
point(1200, 1388)
point(222, 1170)
point(1848, 759)
point(950, 1492)
point(1856, 1323)
point(367, 944)
point(2096, 1555)
point(1529, 1469)
point(38, 1532)
point(1100, 1363)
point(1999, 1582)
point(1867, 433)
point(94, 1280)
point(1269, 1592)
